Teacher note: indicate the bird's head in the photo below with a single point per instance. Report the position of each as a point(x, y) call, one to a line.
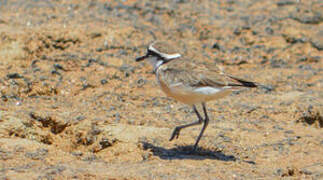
point(159, 53)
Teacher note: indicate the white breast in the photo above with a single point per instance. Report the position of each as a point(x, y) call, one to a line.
point(207, 90)
point(191, 95)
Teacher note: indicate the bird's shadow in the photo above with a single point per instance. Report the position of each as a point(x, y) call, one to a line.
point(185, 152)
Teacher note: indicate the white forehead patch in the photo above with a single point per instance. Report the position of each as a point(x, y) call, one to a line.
point(164, 55)
point(170, 56)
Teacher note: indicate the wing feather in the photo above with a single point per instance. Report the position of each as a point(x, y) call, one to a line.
point(191, 74)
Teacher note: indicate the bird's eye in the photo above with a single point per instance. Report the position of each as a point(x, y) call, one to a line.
point(149, 52)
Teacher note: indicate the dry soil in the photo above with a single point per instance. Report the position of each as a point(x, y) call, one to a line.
point(75, 105)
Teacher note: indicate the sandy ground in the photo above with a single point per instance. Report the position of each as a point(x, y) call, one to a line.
point(75, 105)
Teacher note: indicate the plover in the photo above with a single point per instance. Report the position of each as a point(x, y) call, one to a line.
point(190, 82)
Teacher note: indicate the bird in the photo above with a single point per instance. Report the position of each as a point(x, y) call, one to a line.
point(190, 82)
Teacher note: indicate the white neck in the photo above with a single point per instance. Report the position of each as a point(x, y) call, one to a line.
point(155, 62)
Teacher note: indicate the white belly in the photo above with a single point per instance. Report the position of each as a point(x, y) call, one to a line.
point(191, 95)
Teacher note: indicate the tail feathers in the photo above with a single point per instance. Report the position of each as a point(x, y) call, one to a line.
point(243, 83)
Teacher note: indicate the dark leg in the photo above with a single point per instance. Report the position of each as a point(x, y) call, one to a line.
point(176, 131)
point(206, 122)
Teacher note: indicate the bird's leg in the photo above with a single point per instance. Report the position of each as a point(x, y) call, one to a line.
point(177, 129)
point(206, 122)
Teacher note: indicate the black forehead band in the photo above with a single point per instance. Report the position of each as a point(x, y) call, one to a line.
point(155, 54)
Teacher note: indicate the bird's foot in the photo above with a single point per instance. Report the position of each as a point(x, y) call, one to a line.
point(175, 133)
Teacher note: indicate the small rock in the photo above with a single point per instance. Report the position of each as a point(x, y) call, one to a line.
point(80, 118)
point(4, 98)
point(90, 62)
point(90, 158)
point(278, 127)
point(95, 131)
point(289, 132)
point(311, 116)
point(305, 67)
point(145, 156)
point(14, 76)
point(308, 18)
point(285, 2)
point(86, 85)
point(302, 59)
point(103, 81)
point(278, 63)
point(33, 63)
point(306, 172)
point(38, 155)
point(141, 82)
point(2, 21)
point(77, 153)
point(106, 143)
point(95, 35)
point(317, 43)
point(100, 49)
point(279, 172)
point(264, 117)
point(117, 117)
point(54, 71)
point(226, 139)
point(58, 66)
point(6, 155)
point(237, 31)
point(269, 30)
point(216, 46)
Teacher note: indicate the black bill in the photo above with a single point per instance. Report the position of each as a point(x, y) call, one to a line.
point(141, 58)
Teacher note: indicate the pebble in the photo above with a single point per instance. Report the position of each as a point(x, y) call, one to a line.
point(269, 30)
point(237, 31)
point(14, 76)
point(216, 46)
point(90, 158)
point(141, 82)
point(117, 117)
point(54, 71)
point(77, 153)
point(106, 143)
point(278, 63)
point(103, 81)
point(37, 155)
point(145, 156)
point(58, 66)
point(100, 49)
point(95, 35)
point(289, 132)
point(318, 44)
point(310, 18)
point(279, 172)
point(278, 127)
point(285, 2)
point(306, 172)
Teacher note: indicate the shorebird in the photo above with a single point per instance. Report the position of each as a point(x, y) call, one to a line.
point(190, 82)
